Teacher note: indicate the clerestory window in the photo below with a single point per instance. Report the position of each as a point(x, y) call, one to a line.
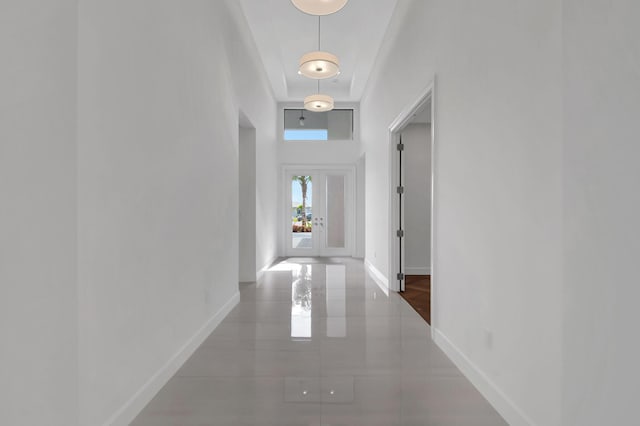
point(303, 125)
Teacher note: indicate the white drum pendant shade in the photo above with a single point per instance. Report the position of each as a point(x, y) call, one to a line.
point(319, 65)
point(319, 7)
point(318, 103)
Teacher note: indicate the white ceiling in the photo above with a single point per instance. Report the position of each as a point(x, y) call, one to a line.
point(283, 34)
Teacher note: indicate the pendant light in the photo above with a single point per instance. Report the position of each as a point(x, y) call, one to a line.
point(319, 64)
point(301, 121)
point(318, 102)
point(319, 7)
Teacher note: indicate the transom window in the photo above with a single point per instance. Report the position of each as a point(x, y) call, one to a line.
point(303, 125)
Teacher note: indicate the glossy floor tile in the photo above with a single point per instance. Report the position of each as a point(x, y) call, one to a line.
point(314, 343)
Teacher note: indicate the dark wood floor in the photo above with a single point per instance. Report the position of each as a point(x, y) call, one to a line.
point(418, 293)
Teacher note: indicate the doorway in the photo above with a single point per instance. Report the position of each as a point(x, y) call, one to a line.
point(247, 271)
point(319, 211)
point(412, 205)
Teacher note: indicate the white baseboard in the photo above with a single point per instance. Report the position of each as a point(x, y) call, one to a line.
point(377, 276)
point(419, 270)
point(265, 268)
point(503, 405)
point(128, 412)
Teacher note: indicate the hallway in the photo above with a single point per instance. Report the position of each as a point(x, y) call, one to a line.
point(316, 342)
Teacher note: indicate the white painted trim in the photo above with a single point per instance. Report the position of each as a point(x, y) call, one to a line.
point(395, 128)
point(377, 276)
point(503, 405)
point(406, 115)
point(264, 269)
point(433, 281)
point(360, 198)
point(417, 270)
point(128, 412)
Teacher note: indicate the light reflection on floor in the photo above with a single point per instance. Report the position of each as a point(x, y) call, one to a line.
point(336, 300)
point(301, 302)
point(316, 342)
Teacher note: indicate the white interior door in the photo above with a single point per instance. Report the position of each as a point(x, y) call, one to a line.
point(319, 211)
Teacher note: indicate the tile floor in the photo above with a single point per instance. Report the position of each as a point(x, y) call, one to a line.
point(316, 342)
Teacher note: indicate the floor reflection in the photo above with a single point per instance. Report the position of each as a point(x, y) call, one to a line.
point(336, 300)
point(301, 302)
point(330, 390)
point(261, 366)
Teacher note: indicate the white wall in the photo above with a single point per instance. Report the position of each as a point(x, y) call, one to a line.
point(602, 207)
point(360, 202)
point(319, 152)
point(498, 185)
point(247, 199)
point(161, 84)
point(38, 358)
point(416, 162)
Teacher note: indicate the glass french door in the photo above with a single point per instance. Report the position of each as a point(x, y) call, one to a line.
point(319, 212)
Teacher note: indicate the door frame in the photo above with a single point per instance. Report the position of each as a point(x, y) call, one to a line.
point(396, 245)
point(350, 202)
point(247, 264)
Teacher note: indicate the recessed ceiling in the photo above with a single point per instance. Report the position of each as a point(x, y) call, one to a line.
point(283, 34)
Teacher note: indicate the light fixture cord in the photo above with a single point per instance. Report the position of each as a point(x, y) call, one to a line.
point(318, 32)
point(318, 86)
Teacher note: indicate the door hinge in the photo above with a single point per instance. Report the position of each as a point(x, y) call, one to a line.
point(400, 189)
point(400, 233)
point(400, 276)
point(400, 146)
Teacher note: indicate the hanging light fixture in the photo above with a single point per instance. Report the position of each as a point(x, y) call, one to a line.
point(319, 64)
point(318, 102)
point(319, 7)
